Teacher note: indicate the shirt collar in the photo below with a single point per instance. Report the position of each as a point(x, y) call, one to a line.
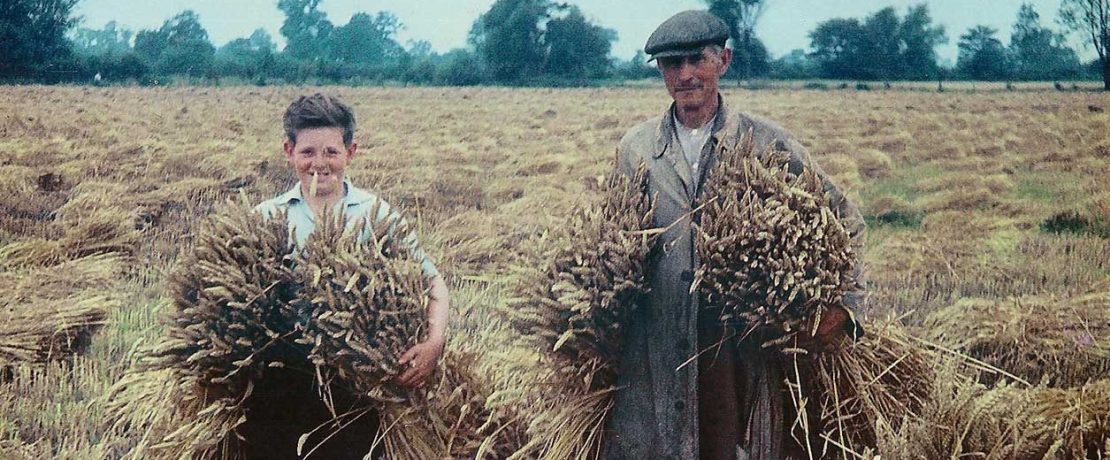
point(353, 197)
point(669, 125)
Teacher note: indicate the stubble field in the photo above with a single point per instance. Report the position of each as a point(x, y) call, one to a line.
point(990, 198)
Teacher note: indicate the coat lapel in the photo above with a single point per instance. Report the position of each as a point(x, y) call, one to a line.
point(669, 154)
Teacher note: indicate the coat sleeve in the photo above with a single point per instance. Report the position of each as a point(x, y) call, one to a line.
point(850, 218)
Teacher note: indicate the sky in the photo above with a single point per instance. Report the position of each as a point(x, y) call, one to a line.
point(784, 26)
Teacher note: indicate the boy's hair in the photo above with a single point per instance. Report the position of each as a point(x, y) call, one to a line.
point(319, 111)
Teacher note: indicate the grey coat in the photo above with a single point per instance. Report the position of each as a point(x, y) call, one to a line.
point(656, 408)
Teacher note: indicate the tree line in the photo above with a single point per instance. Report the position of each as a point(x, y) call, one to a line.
point(529, 42)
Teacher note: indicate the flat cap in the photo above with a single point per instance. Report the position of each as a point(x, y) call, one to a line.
point(686, 33)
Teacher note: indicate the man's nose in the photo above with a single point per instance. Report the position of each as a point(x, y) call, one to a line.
point(686, 70)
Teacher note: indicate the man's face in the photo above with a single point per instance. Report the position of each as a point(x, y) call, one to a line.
point(692, 80)
point(320, 152)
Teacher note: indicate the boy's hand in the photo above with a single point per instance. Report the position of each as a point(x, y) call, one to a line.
point(421, 360)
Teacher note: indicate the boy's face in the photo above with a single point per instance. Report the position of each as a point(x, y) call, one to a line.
point(320, 152)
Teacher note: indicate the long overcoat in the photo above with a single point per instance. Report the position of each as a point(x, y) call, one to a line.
point(656, 406)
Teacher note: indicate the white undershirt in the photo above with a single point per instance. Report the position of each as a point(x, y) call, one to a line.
point(693, 141)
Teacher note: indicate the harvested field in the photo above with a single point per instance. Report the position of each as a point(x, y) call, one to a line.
point(988, 223)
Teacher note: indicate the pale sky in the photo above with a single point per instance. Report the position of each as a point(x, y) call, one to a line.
point(785, 24)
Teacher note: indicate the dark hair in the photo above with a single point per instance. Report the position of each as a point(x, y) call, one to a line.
point(319, 111)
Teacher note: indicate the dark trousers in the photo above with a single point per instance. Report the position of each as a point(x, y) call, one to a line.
point(286, 403)
point(742, 399)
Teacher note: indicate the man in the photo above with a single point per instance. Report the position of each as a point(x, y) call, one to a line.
point(732, 395)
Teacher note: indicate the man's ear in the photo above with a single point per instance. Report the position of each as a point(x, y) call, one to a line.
point(726, 60)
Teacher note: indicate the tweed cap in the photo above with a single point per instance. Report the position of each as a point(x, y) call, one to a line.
point(686, 33)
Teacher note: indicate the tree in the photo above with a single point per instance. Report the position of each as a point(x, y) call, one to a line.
point(460, 67)
point(836, 45)
point(882, 46)
point(306, 29)
point(794, 65)
point(750, 57)
point(111, 40)
point(919, 40)
point(33, 33)
point(107, 52)
point(251, 58)
point(1038, 52)
point(180, 46)
point(982, 56)
point(1091, 18)
point(366, 40)
point(509, 38)
point(880, 49)
point(576, 48)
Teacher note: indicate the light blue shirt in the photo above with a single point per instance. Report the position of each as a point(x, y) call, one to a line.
point(356, 204)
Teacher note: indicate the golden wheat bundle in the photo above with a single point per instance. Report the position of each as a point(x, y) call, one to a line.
point(231, 317)
point(773, 253)
point(575, 305)
point(96, 231)
point(51, 330)
point(1062, 341)
point(367, 299)
point(843, 395)
point(231, 300)
point(964, 419)
point(574, 309)
point(187, 422)
point(478, 430)
point(50, 313)
point(570, 424)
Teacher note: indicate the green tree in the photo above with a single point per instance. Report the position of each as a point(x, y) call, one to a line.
point(794, 65)
point(179, 47)
point(306, 29)
point(509, 38)
point(750, 57)
point(1091, 19)
point(107, 52)
point(1040, 53)
point(367, 40)
point(982, 56)
point(919, 39)
point(250, 58)
point(460, 67)
point(33, 34)
point(836, 45)
point(882, 46)
point(111, 40)
point(880, 49)
point(576, 48)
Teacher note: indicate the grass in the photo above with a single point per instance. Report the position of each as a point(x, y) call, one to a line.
point(485, 172)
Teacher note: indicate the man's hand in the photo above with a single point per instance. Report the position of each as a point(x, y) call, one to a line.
point(832, 328)
point(421, 360)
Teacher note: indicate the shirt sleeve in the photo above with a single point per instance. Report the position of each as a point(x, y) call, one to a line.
point(397, 229)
